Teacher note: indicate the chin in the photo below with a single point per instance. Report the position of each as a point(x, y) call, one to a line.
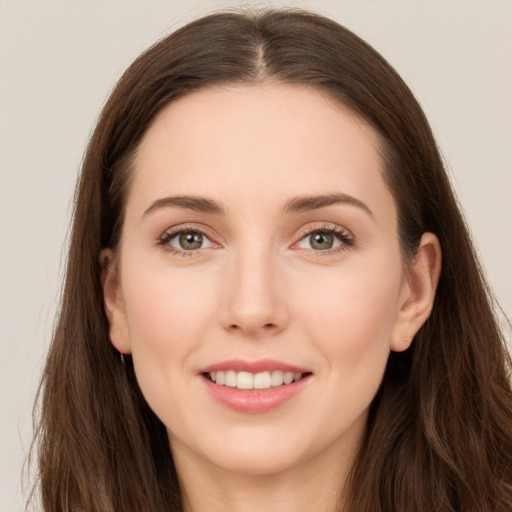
point(250, 462)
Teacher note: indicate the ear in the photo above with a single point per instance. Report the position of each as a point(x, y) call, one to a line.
point(418, 292)
point(113, 302)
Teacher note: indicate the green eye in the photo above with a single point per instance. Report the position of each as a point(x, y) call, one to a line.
point(320, 241)
point(190, 240)
point(326, 239)
point(186, 240)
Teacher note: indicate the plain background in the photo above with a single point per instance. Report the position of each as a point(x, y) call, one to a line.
point(58, 60)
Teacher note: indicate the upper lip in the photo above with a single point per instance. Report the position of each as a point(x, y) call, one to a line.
point(262, 365)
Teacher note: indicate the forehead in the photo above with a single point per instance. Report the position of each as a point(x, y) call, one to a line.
point(259, 142)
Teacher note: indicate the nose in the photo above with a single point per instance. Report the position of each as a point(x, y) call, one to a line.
point(254, 295)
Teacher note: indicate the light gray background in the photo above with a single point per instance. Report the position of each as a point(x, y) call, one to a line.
point(58, 60)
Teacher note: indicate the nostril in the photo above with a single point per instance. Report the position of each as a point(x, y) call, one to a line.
point(267, 327)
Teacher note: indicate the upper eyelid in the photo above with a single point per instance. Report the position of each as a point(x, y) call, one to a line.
point(323, 226)
point(174, 230)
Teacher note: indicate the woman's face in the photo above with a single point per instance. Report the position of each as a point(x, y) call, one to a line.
point(259, 244)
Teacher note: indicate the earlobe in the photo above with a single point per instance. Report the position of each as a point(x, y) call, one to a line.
point(113, 302)
point(419, 292)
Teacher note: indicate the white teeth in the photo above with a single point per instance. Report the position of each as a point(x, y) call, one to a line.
point(262, 380)
point(288, 377)
point(247, 380)
point(277, 378)
point(230, 379)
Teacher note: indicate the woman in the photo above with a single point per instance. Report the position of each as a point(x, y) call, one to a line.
point(271, 299)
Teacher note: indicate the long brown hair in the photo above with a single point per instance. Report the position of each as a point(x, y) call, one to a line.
point(439, 433)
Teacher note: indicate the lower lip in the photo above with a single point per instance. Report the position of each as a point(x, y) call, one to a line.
point(255, 401)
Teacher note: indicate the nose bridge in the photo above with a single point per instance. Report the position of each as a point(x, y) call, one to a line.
point(253, 301)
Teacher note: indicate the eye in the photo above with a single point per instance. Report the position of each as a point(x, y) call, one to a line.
point(325, 239)
point(186, 240)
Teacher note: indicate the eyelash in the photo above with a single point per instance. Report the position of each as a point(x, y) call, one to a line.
point(343, 235)
point(172, 233)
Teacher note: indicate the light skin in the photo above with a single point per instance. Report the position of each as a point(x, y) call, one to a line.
point(320, 284)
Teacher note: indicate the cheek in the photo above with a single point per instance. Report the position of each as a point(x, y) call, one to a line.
point(350, 314)
point(167, 316)
point(165, 309)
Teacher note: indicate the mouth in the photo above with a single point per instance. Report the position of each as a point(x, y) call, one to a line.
point(255, 387)
point(244, 380)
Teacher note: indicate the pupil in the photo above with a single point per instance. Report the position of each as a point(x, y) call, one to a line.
point(322, 241)
point(191, 240)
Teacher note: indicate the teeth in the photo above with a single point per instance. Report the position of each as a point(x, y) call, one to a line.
point(230, 379)
point(262, 380)
point(276, 378)
point(247, 380)
point(288, 378)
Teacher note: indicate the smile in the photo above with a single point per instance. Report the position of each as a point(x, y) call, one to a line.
point(248, 380)
point(255, 386)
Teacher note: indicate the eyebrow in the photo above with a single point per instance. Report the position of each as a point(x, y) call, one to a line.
point(294, 205)
point(195, 203)
point(306, 203)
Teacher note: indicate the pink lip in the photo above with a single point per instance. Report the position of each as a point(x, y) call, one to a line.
point(261, 365)
point(254, 401)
